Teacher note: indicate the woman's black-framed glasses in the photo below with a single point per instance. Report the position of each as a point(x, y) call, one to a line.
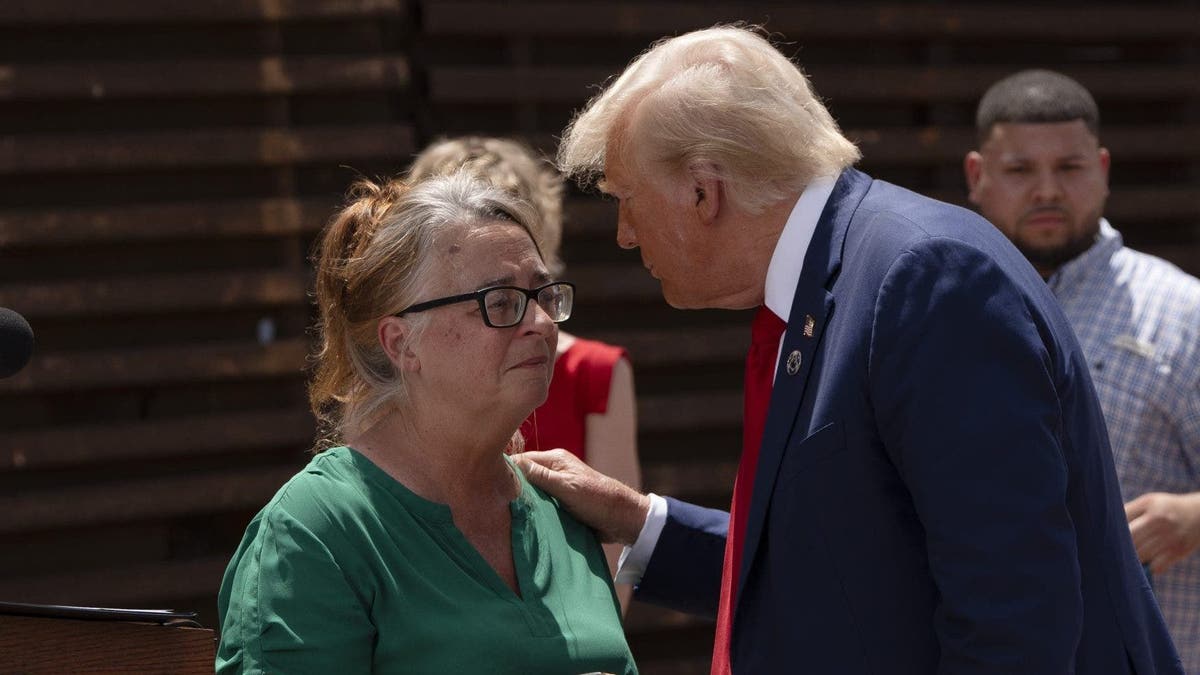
point(504, 306)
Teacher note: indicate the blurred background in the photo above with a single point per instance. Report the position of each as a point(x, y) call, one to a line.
point(165, 167)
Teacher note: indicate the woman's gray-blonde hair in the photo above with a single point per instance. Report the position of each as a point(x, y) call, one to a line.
point(373, 259)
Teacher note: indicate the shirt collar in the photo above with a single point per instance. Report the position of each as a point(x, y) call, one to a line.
point(787, 261)
point(1108, 241)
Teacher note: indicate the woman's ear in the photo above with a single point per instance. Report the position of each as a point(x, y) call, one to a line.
point(394, 333)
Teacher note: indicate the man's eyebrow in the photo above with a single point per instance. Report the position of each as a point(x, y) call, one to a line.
point(1022, 157)
point(1014, 156)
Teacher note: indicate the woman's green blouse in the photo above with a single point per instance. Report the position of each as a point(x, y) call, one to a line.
point(348, 571)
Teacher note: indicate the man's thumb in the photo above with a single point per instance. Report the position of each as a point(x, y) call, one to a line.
point(533, 471)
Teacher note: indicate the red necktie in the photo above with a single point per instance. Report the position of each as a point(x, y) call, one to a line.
point(760, 369)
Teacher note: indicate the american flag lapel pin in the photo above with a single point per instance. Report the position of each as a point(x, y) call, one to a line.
point(809, 325)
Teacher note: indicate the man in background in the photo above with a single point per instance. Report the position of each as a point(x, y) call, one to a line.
point(1041, 176)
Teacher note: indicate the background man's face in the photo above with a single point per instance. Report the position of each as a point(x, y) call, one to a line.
point(1043, 185)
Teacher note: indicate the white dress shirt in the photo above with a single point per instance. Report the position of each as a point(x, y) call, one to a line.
point(783, 273)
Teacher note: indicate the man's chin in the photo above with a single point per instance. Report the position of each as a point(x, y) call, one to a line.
point(676, 303)
point(1053, 256)
point(676, 299)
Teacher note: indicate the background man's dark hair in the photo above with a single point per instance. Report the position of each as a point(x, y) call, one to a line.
point(1036, 97)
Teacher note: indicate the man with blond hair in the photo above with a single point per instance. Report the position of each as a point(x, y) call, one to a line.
point(925, 484)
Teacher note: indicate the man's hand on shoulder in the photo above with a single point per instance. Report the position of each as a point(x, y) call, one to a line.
point(616, 511)
point(1165, 527)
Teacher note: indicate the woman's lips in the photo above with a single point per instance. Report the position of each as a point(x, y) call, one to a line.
point(533, 362)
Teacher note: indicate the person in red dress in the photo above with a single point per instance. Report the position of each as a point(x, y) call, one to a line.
point(590, 409)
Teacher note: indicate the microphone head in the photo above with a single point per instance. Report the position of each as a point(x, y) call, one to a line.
point(16, 342)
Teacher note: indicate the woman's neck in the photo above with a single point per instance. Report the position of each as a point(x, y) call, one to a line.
point(444, 463)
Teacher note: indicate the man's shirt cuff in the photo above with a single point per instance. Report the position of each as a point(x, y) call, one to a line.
point(633, 560)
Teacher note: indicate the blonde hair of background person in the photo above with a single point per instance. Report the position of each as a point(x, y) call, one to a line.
point(418, 547)
point(610, 438)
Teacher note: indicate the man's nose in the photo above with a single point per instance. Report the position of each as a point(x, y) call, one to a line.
point(626, 237)
point(1048, 188)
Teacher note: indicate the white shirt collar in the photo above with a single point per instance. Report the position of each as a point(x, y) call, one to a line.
point(787, 261)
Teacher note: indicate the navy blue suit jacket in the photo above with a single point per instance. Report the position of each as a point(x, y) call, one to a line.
point(935, 490)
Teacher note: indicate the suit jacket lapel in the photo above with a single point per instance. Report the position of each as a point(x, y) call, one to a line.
point(821, 264)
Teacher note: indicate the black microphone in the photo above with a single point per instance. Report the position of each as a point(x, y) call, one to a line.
point(16, 342)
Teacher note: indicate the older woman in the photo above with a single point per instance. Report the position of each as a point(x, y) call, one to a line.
point(413, 545)
point(590, 409)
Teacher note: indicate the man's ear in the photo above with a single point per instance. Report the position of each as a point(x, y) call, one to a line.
point(973, 169)
point(393, 333)
point(708, 192)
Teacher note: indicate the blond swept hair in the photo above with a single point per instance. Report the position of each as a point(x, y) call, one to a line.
point(510, 165)
point(374, 259)
point(721, 101)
